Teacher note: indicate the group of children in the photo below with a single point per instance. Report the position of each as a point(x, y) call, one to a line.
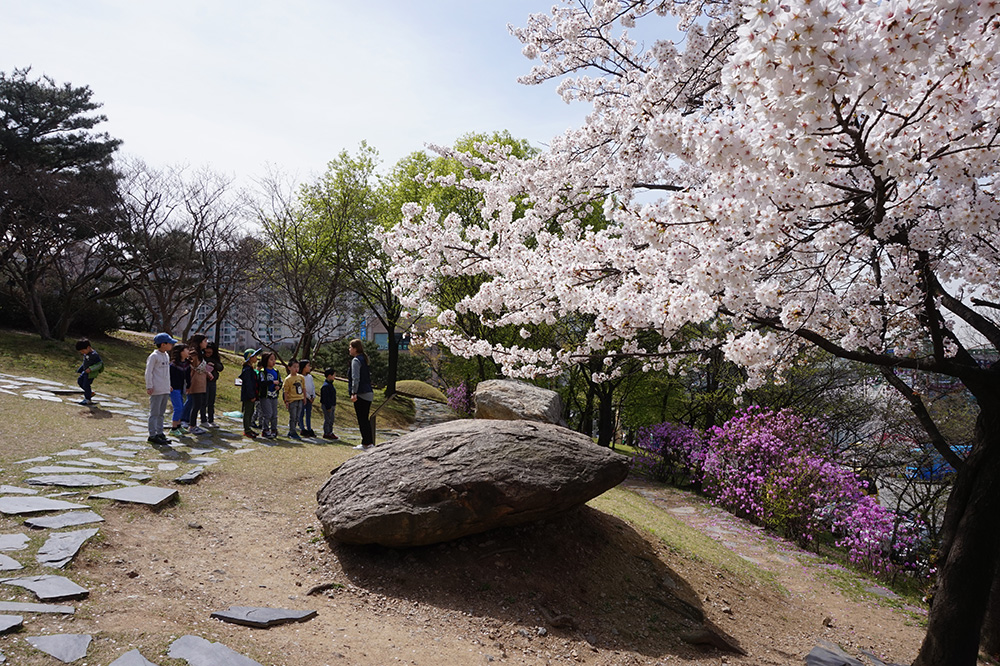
point(261, 387)
point(185, 376)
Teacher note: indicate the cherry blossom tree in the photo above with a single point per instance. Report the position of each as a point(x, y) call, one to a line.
point(810, 172)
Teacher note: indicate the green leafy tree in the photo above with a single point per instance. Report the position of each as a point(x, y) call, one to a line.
point(58, 195)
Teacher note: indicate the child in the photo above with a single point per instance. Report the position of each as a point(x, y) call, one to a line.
point(270, 384)
point(249, 391)
point(198, 389)
point(92, 366)
point(305, 419)
point(158, 386)
point(216, 367)
point(180, 376)
point(328, 401)
point(294, 389)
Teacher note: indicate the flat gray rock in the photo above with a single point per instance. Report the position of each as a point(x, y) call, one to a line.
point(10, 622)
point(191, 476)
point(829, 654)
point(149, 495)
point(69, 453)
point(262, 618)
point(64, 647)
point(50, 588)
point(464, 477)
point(141, 478)
point(19, 505)
point(63, 469)
point(103, 462)
point(9, 563)
point(14, 541)
point(71, 519)
point(32, 461)
point(22, 607)
point(200, 652)
point(70, 480)
point(62, 547)
point(131, 658)
point(14, 490)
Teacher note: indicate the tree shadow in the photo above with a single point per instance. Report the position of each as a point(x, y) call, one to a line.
point(584, 574)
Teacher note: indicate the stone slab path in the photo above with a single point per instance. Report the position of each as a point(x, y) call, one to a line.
point(52, 491)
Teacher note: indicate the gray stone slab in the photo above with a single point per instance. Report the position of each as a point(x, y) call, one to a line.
point(120, 453)
point(10, 622)
point(14, 490)
point(64, 469)
point(19, 505)
point(167, 466)
point(102, 461)
point(63, 520)
point(829, 654)
point(9, 563)
point(134, 469)
point(191, 476)
point(62, 547)
point(141, 478)
point(32, 461)
point(14, 541)
point(149, 495)
point(202, 460)
point(70, 480)
point(262, 618)
point(131, 658)
point(95, 445)
point(64, 647)
point(49, 588)
point(200, 652)
point(21, 607)
point(69, 453)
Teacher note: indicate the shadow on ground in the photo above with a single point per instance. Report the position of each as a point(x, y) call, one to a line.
point(585, 575)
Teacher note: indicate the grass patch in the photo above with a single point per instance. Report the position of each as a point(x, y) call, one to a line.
point(419, 389)
point(41, 428)
point(681, 539)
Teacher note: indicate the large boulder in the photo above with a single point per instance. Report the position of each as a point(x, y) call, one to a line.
point(510, 400)
point(463, 477)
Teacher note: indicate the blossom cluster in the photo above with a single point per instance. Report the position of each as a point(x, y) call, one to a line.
point(824, 168)
point(776, 469)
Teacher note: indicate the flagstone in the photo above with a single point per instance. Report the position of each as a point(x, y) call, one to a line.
point(19, 505)
point(200, 652)
point(70, 480)
point(62, 547)
point(49, 587)
point(14, 541)
point(24, 607)
point(132, 658)
point(149, 495)
point(10, 622)
point(70, 519)
point(191, 476)
point(15, 490)
point(262, 618)
point(9, 563)
point(64, 647)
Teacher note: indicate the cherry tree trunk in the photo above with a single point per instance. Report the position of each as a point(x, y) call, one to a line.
point(970, 550)
point(990, 639)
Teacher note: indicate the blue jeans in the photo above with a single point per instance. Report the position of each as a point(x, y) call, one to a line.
point(177, 401)
point(306, 417)
point(85, 382)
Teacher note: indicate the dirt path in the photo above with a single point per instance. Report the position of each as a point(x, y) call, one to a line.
point(846, 611)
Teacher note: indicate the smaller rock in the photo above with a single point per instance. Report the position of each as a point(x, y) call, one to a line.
point(10, 623)
point(64, 647)
point(132, 658)
point(262, 618)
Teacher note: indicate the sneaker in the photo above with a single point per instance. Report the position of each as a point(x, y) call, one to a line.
point(328, 436)
point(294, 435)
point(162, 438)
point(364, 447)
point(212, 424)
point(198, 431)
point(176, 432)
point(154, 439)
point(86, 402)
point(251, 434)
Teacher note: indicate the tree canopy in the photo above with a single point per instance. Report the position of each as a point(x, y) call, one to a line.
point(814, 172)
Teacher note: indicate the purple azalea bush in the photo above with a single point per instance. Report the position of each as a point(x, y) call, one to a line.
point(460, 399)
point(777, 469)
point(669, 452)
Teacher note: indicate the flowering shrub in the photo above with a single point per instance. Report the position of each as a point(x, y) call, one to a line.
point(775, 469)
point(669, 452)
point(460, 399)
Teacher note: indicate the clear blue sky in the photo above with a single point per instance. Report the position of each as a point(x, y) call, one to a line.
point(240, 84)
